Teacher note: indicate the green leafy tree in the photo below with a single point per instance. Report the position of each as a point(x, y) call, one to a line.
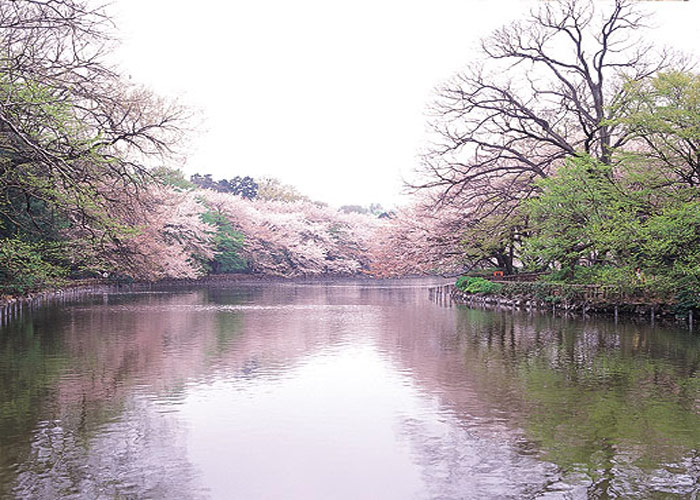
point(576, 207)
point(596, 228)
point(662, 115)
point(228, 245)
point(670, 252)
point(477, 285)
point(75, 138)
point(172, 177)
point(494, 240)
point(272, 189)
point(27, 267)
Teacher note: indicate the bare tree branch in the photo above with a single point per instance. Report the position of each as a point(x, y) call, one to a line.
point(69, 124)
point(542, 92)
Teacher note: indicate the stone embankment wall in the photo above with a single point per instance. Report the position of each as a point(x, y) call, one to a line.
point(524, 302)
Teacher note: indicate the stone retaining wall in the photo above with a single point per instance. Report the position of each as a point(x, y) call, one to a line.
point(650, 311)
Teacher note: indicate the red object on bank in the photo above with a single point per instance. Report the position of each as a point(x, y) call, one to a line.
point(498, 273)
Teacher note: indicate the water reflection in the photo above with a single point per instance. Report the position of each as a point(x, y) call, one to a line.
point(614, 407)
point(347, 390)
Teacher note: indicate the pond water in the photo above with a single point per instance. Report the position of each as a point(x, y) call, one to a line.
point(341, 390)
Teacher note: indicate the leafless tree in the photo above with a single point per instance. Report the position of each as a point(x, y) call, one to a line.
point(541, 92)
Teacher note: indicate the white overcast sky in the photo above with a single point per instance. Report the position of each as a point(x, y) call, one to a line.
point(327, 96)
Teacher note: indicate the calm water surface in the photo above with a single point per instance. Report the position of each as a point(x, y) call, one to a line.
point(345, 390)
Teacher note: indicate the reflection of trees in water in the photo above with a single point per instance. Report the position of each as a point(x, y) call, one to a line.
point(473, 458)
point(140, 455)
point(616, 403)
point(29, 368)
point(83, 367)
point(472, 450)
point(80, 368)
point(79, 405)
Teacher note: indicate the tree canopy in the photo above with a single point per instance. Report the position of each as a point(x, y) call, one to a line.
point(76, 139)
point(543, 89)
point(566, 146)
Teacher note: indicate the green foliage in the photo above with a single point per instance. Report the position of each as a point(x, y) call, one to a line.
point(573, 215)
point(493, 240)
point(172, 177)
point(664, 113)
point(544, 291)
point(228, 245)
point(272, 189)
point(671, 239)
point(470, 284)
point(687, 298)
point(631, 222)
point(58, 179)
point(624, 278)
point(31, 216)
point(670, 250)
point(594, 226)
point(27, 267)
point(62, 177)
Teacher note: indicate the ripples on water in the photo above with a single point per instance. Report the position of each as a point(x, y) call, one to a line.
point(340, 391)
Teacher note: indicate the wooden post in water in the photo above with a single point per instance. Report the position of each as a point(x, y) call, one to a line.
point(615, 313)
point(690, 320)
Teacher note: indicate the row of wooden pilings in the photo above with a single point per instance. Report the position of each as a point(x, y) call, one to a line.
point(14, 308)
point(441, 294)
point(444, 295)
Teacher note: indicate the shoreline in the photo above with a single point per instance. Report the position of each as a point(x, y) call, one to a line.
point(650, 311)
point(12, 306)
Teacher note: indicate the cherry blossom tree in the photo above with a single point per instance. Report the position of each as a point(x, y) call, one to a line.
point(162, 236)
point(297, 238)
point(418, 240)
